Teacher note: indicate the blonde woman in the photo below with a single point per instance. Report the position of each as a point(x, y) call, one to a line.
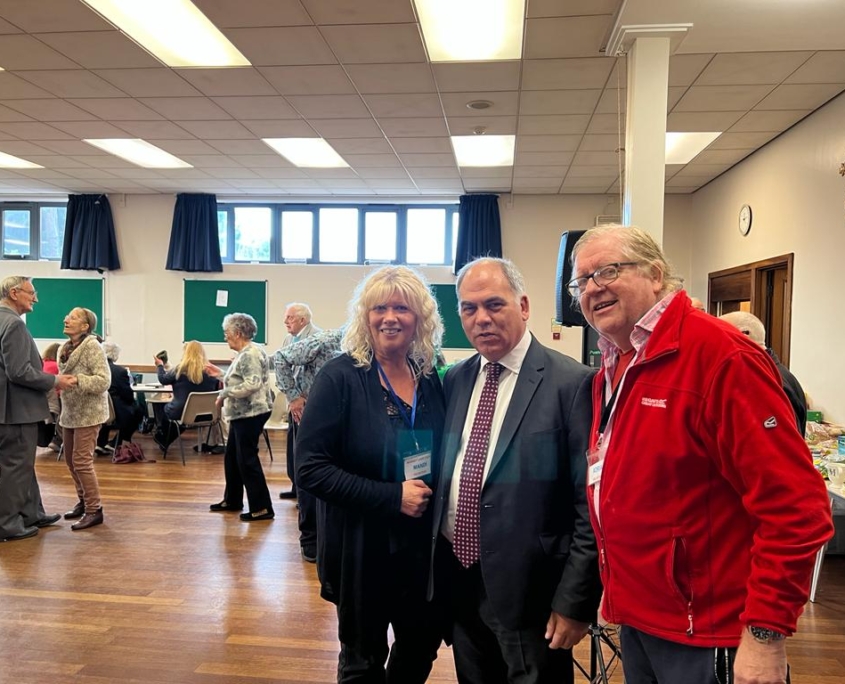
point(85, 407)
point(189, 375)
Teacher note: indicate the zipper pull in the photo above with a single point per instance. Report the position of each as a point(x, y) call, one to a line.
point(689, 617)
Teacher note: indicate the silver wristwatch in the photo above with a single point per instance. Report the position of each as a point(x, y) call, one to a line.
point(764, 635)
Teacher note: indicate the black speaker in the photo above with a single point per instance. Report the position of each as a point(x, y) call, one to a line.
point(564, 311)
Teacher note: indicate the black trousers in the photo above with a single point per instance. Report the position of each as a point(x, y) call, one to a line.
point(243, 467)
point(289, 454)
point(648, 659)
point(487, 652)
point(307, 501)
point(415, 627)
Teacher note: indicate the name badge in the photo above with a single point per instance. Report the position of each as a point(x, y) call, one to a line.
point(594, 473)
point(418, 465)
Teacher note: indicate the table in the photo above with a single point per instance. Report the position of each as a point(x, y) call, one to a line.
point(837, 501)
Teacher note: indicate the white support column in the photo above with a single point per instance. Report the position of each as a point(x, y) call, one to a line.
point(645, 134)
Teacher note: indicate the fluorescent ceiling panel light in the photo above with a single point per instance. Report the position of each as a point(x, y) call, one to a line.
point(484, 150)
point(175, 31)
point(682, 148)
point(472, 30)
point(139, 152)
point(313, 153)
point(7, 161)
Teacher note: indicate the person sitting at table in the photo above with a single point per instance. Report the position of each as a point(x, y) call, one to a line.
point(49, 358)
point(189, 375)
point(127, 413)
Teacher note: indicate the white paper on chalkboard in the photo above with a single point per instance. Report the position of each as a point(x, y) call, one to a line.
point(222, 298)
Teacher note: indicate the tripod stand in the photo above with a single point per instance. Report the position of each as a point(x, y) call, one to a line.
point(600, 635)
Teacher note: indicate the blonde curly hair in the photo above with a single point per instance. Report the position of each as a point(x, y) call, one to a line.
point(378, 287)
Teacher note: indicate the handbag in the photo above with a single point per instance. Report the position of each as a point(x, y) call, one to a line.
point(129, 452)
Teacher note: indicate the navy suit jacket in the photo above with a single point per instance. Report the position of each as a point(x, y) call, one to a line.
point(538, 551)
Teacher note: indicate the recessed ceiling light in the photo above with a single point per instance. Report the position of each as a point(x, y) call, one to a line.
point(472, 30)
point(479, 104)
point(484, 150)
point(139, 152)
point(7, 161)
point(175, 31)
point(682, 148)
point(314, 153)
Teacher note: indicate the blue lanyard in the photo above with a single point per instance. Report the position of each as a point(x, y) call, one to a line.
point(400, 405)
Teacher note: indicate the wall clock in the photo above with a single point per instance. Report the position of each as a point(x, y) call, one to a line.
point(745, 219)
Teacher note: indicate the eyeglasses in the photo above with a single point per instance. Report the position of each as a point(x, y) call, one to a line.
point(31, 293)
point(601, 277)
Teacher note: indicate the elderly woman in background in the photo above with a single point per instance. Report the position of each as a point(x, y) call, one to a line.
point(368, 449)
point(193, 373)
point(84, 409)
point(127, 414)
point(247, 402)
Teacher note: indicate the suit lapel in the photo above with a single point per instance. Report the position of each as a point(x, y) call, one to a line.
point(460, 391)
point(530, 376)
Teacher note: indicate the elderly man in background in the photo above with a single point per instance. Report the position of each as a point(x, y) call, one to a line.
point(299, 326)
point(707, 516)
point(23, 404)
point(297, 365)
point(749, 324)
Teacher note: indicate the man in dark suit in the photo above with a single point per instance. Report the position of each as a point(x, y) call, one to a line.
point(515, 555)
point(23, 404)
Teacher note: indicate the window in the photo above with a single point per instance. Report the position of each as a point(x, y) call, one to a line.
point(338, 234)
point(30, 230)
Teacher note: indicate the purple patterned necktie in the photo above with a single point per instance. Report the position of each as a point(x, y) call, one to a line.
point(466, 542)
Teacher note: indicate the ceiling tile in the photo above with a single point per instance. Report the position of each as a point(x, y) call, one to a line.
point(375, 43)
point(397, 172)
point(100, 49)
point(484, 76)
point(778, 120)
point(597, 158)
point(413, 160)
point(150, 130)
point(282, 46)
point(308, 80)
point(69, 147)
point(51, 15)
point(236, 81)
point(49, 110)
point(346, 128)
point(566, 74)
point(435, 172)
point(503, 103)
point(234, 147)
point(359, 12)
point(701, 121)
point(404, 105)
point(547, 143)
point(559, 102)
point(260, 107)
point(544, 158)
point(567, 124)
point(593, 171)
point(566, 37)
point(613, 101)
point(292, 128)
point(475, 172)
point(540, 171)
point(751, 68)
point(21, 147)
point(392, 184)
point(33, 131)
point(329, 174)
point(492, 125)
point(178, 147)
point(392, 78)
point(25, 53)
point(535, 184)
point(62, 162)
point(89, 129)
point(729, 98)
point(413, 128)
point(76, 83)
point(571, 8)
point(822, 67)
point(158, 82)
point(722, 156)
point(421, 144)
point(117, 109)
point(329, 106)
point(228, 14)
point(12, 114)
point(602, 143)
point(684, 69)
point(739, 141)
point(215, 130)
point(13, 87)
point(230, 172)
point(196, 108)
point(380, 161)
point(800, 96)
point(360, 145)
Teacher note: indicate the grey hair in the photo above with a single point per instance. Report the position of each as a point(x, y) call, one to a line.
point(9, 283)
point(300, 309)
point(243, 324)
point(515, 280)
point(636, 245)
point(747, 324)
point(112, 350)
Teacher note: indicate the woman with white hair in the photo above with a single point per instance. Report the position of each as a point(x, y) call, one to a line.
point(127, 414)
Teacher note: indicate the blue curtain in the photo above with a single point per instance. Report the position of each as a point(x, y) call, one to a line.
point(89, 243)
point(480, 230)
point(194, 244)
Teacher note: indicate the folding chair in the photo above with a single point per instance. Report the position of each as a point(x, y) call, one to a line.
point(276, 421)
point(200, 412)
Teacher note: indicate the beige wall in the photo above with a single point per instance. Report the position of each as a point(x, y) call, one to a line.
point(797, 196)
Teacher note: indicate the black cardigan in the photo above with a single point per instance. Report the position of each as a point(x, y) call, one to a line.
point(344, 457)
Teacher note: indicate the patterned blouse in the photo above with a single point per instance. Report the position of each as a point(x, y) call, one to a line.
point(246, 385)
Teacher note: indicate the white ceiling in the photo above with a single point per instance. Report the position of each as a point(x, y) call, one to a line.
point(355, 73)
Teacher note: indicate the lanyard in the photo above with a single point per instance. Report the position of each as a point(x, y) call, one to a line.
point(400, 405)
point(610, 407)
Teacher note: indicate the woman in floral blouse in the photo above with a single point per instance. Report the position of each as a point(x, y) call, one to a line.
point(247, 401)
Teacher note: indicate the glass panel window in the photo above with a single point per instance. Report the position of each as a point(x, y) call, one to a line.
point(339, 235)
point(16, 232)
point(380, 236)
point(456, 220)
point(223, 233)
point(253, 229)
point(52, 232)
point(297, 234)
point(426, 236)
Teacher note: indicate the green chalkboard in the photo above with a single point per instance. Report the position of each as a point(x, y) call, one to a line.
point(56, 297)
point(453, 334)
point(203, 316)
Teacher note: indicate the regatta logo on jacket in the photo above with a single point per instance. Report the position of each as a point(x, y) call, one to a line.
point(770, 422)
point(654, 403)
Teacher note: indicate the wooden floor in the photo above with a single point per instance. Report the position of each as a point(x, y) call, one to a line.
point(166, 591)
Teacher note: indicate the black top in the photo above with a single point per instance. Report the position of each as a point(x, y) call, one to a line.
point(182, 387)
